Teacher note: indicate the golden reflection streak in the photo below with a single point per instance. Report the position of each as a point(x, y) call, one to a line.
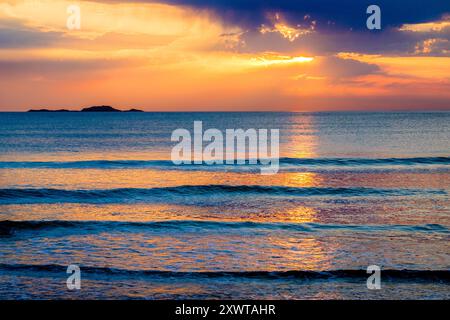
point(301, 214)
point(302, 254)
point(73, 179)
point(302, 143)
point(307, 254)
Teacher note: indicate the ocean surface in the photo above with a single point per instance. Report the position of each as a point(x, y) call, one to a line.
point(99, 191)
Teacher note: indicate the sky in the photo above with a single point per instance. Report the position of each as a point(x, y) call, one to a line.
point(225, 55)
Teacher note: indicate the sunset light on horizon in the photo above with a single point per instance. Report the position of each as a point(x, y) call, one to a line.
point(224, 158)
point(195, 56)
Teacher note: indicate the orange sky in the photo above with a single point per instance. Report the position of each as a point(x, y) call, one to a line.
point(157, 56)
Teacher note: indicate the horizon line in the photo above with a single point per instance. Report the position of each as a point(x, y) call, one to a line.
point(231, 111)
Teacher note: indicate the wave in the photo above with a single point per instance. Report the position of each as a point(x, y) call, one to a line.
point(368, 161)
point(137, 195)
point(8, 227)
point(393, 274)
point(292, 163)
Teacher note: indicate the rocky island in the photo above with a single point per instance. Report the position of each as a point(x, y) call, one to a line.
point(89, 109)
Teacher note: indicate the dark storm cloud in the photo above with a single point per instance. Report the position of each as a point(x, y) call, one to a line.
point(344, 13)
point(340, 24)
point(390, 41)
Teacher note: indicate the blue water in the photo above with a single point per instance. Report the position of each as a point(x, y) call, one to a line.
point(99, 190)
point(340, 135)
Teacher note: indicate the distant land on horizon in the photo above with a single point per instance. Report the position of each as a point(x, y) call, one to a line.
point(88, 109)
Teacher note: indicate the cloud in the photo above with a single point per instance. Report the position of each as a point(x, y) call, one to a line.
point(435, 46)
point(224, 55)
point(434, 26)
point(339, 68)
point(331, 27)
point(343, 14)
point(51, 66)
point(14, 34)
point(278, 25)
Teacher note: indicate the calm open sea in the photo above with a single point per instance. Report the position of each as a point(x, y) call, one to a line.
point(99, 190)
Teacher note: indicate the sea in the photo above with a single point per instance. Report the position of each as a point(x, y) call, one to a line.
point(99, 191)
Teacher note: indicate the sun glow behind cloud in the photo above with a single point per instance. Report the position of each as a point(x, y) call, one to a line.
point(268, 60)
point(288, 32)
point(427, 26)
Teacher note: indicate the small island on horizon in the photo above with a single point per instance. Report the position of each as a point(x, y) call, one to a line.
point(88, 109)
